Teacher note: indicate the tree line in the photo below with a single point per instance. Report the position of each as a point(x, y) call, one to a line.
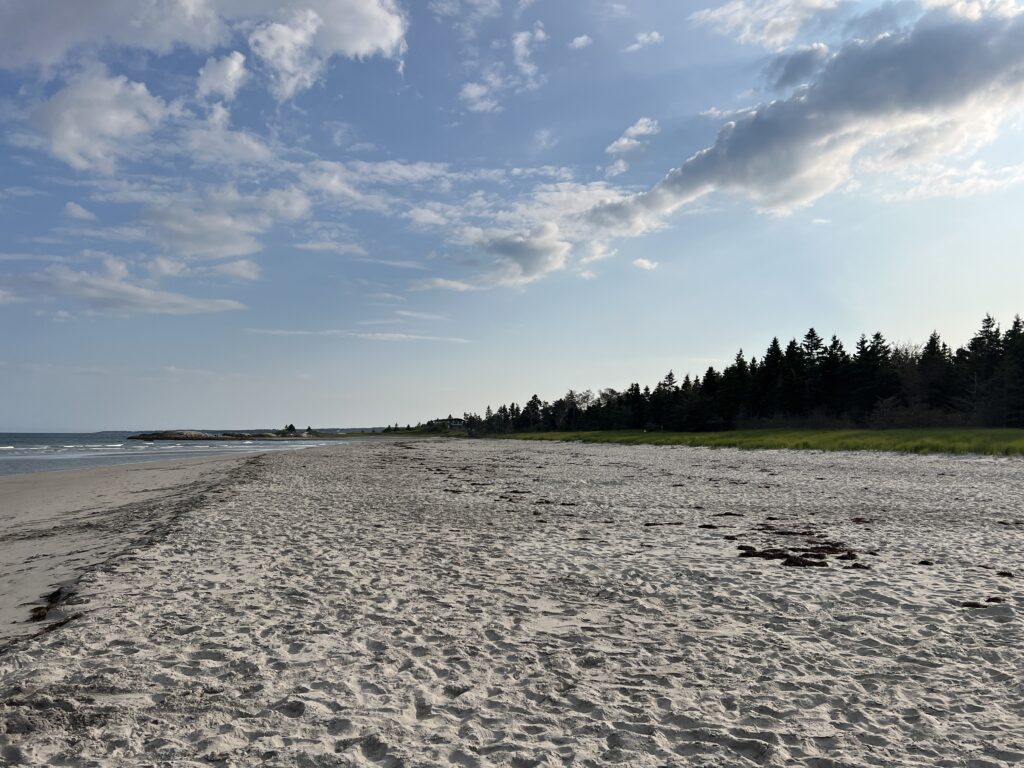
point(810, 383)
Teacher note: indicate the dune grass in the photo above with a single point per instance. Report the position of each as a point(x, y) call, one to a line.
point(993, 442)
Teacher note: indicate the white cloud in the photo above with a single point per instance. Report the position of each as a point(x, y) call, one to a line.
point(6, 297)
point(243, 269)
point(595, 250)
point(797, 67)
point(288, 50)
point(468, 14)
point(345, 249)
point(425, 217)
point(95, 119)
point(976, 9)
point(364, 335)
point(37, 35)
point(645, 264)
point(643, 40)
point(523, 44)
point(222, 77)
point(769, 23)
point(523, 257)
point(214, 142)
point(581, 42)
point(481, 96)
point(397, 172)
point(161, 266)
point(619, 167)
point(114, 290)
point(544, 139)
point(441, 283)
point(976, 179)
point(419, 315)
point(341, 183)
point(75, 211)
point(289, 204)
point(631, 139)
point(206, 234)
point(875, 107)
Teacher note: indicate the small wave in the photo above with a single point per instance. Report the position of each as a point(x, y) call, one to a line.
point(6, 447)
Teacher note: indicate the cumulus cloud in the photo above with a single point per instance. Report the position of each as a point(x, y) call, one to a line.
point(34, 34)
point(883, 103)
point(75, 211)
point(580, 42)
point(644, 40)
point(214, 142)
point(222, 77)
point(523, 257)
point(523, 44)
point(619, 167)
point(95, 119)
point(768, 23)
point(796, 68)
point(288, 50)
point(631, 139)
point(480, 96)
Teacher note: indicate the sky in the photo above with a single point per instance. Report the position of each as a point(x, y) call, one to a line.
point(245, 213)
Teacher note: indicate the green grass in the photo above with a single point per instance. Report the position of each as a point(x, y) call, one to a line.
point(995, 442)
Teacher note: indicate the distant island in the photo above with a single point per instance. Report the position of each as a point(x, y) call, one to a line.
point(288, 433)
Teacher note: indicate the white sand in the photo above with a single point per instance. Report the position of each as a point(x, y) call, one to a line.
point(504, 604)
point(54, 525)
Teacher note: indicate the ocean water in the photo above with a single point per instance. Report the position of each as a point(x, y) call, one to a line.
point(46, 452)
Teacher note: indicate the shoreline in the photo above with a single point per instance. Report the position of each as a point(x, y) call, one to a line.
point(57, 525)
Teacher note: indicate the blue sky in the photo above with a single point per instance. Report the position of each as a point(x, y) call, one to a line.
point(240, 213)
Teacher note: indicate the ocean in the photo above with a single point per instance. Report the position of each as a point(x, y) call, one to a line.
point(23, 453)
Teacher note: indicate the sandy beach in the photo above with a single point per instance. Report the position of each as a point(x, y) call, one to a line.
point(498, 603)
point(56, 525)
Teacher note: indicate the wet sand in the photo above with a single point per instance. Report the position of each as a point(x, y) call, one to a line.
point(495, 603)
point(56, 525)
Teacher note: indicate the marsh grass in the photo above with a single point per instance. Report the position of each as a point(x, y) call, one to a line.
point(993, 442)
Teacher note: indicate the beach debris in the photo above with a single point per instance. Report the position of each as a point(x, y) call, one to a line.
point(926, 562)
point(1005, 574)
point(971, 604)
point(995, 599)
point(858, 567)
point(708, 525)
point(796, 561)
point(766, 554)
